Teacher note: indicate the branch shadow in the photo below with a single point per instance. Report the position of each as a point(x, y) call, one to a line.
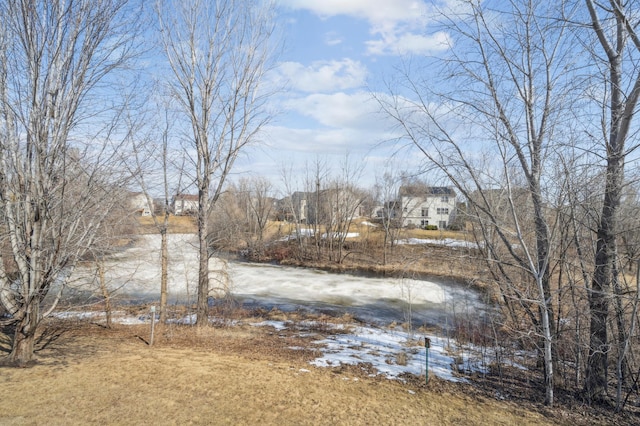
point(6, 331)
point(143, 339)
point(50, 334)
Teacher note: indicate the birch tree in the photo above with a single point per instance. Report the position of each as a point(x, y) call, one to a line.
point(57, 152)
point(149, 157)
point(218, 52)
point(487, 125)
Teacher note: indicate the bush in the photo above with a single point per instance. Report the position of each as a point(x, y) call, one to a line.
point(430, 227)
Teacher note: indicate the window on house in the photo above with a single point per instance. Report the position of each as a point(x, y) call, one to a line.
point(442, 224)
point(424, 223)
point(442, 210)
point(425, 213)
point(444, 199)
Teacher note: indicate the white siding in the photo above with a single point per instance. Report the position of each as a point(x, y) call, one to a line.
point(428, 210)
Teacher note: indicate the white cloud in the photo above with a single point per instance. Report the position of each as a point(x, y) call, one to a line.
point(346, 122)
point(332, 38)
point(339, 110)
point(375, 11)
point(323, 76)
point(333, 141)
point(398, 27)
point(394, 43)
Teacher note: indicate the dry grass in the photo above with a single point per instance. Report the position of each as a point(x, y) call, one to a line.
point(237, 375)
point(222, 376)
point(177, 225)
point(275, 228)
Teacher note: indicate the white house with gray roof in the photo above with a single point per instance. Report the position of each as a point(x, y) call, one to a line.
point(426, 205)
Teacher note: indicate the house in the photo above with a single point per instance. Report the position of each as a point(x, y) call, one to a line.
point(327, 206)
point(185, 204)
point(333, 206)
point(504, 205)
point(293, 208)
point(139, 203)
point(423, 206)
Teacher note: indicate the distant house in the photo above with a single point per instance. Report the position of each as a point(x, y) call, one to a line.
point(503, 203)
point(326, 206)
point(332, 206)
point(423, 206)
point(185, 204)
point(139, 203)
point(294, 207)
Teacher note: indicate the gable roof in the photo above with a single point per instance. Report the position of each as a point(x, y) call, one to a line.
point(423, 190)
point(186, 197)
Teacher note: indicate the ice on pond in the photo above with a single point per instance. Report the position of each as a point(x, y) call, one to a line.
point(135, 274)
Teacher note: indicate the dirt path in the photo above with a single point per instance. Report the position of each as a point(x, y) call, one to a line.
point(113, 377)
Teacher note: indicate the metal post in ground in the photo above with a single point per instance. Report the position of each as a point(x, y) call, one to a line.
point(427, 345)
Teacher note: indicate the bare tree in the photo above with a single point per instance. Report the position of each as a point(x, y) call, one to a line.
point(341, 201)
point(259, 207)
point(149, 158)
point(218, 52)
point(387, 187)
point(57, 158)
point(614, 26)
point(487, 127)
point(292, 207)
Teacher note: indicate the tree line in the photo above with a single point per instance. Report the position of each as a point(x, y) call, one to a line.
point(530, 113)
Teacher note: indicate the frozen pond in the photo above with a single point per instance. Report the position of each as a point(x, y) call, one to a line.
point(134, 275)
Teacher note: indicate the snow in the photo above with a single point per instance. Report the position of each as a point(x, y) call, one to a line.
point(278, 325)
point(381, 348)
point(302, 232)
point(77, 315)
point(390, 351)
point(393, 353)
point(316, 285)
point(305, 232)
point(337, 235)
point(448, 242)
point(135, 274)
point(365, 223)
point(119, 317)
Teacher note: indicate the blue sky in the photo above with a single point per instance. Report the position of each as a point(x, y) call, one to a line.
point(335, 53)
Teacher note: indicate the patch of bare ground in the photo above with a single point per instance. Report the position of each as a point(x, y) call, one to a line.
point(240, 374)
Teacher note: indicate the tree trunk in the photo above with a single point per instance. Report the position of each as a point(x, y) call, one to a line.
point(621, 363)
point(105, 293)
point(548, 355)
point(599, 294)
point(202, 306)
point(24, 337)
point(596, 380)
point(164, 261)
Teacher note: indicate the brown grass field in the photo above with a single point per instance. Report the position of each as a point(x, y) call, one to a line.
point(177, 224)
point(236, 376)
